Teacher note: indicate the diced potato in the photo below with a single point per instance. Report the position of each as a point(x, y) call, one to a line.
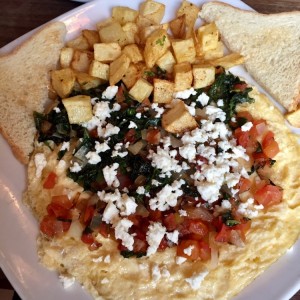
point(105, 23)
point(203, 76)
point(178, 27)
point(163, 91)
point(183, 76)
point(152, 10)
point(190, 11)
point(131, 76)
point(142, 21)
point(124, 14)
point(87, 82)
point(198, 48)
point(133, 52)
point(81, 60)
point(99, 70)
point(118, 69)
point(228, 61)
point(66, 56)
point(92, 36)
point(208, 37)
point(184, 50)
point(178, 119)
point(294, 118)
point(167, 62)
point(79, 109)
point(130, 30)
point(63, 81)
point(156, 46)
point(106, 52)
point(215, 53)
point(145, 32)
point(141, 90)
point(113, 33)
point(79, 43)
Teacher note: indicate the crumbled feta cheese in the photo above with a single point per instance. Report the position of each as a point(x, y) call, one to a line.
point(165, 272)
point(40, 163)
point(191, 109)
point(154, 236)
point(107, 259)
point(159, 110)
point(121, 233)
point(101, 110)
point(117, 152)
point(203, 99)
point(132, 125)
point(138, 115)
point(108, 131)
point(75, 168)
point(180, 260)
point(116, 107)
point(196, 279)
point(247, 126)
point(93, 157)
point(97, 259)
point(101, 147)
point(110, 92)
point(214, 113)
point(248, 209)
point(185, 94)
point(56, 109)
point(65, 146)
point(226, 204)
point(110, 213)
point(156, 273)
point(66, 281)
point(140, 190)
point(182, 213)
point(188, 250)
point(155, 182)
point(208, 191)
point(188, 151)
point(220, 102)
point(173, 236)
point(110, 175)
point(94, 100)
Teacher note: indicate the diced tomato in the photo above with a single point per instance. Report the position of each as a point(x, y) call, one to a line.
point(58, 211)
point(246, 140)
point(217, 223)
point(163, 244)
point(87, 238)
point(135, 219)
point(185, 244)
point(170, 222)
point(259, 157)
point(153, 136)
point(88, 214)
point(140, 246)
point(120, 95)
point(53, 227)
point(204, 250)
point(50, 181)
point(155, 215)
point(223, 235)
point(243, 228)
point(124, 180)
point(269, 145)
point(63, 201)
point(244, 185)
point(268, 195)
point(130, 136)
point(240, 86)
point(104, 229)
point(259, 126)
point(93, 133)
point(197, 229)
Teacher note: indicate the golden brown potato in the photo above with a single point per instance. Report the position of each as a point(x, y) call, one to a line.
point(118, 69)
point(131, 76)
point(156, 46)
point(113, 33)
point(106, 52)
point(167, 62)
point(133, 52)
point(208, 37)
point(142, 21)
point(130, 30)
point(203, 76)
point(79, 109)
point(92, 37)
point(178, 119)
point(86, 81)
point(214, 53)
point(99, 70)
point(184, 50)
point(81, 60)
point(183, 76)
point(294, 118)
point(63, 81)
point(79, 43)
point(105, 23)
point(163, 91)
point(146, 31)
point(141, 90)
point(178, 27)
point(228, 61)
point(152, 10)
point(124, 14)
point(66, 56)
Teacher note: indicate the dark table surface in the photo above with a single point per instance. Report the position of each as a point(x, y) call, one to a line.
point(20, 16)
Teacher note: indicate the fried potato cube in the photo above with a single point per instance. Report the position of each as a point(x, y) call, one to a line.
point(183, 77)
point(203, 76)
point(167, 62)
point(113, 33)
point(118, 69)
point(133, 52)
point(66, 56)
point(79, 109)
point(215, 53)
point(63, 81)
point(131, 76)
point(178, 27)
point(163, 91)
point(178, 119)
point(124, 14)
point(87, 82)
point(142, 21)
point(106, 52)
point(79, 43)
point(145, 32)
point(105, 23)
point(152, 10)
point(130, 30)
point(92, 36)
point(99, 70)
point(228, 61)
point(190, 11)
point(81, 60)
point(156, 46)
point(184, 50)
point(208, 37)
point(141, 90)
point(294, 118)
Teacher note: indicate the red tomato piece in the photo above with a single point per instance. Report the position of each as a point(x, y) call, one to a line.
point(50, 181)
point(240, 86)
point(63, 201)
point(163, 244)
point(140, 246)
point(120, 95)
point(223, 235)
point(53, 227)
point(104, 229)
point(244, 185)
point(268, 195)
point(197, 228)
point(130, 136)
point(170, 222)
point(194, 250)
point(87, 238)
point(269, 145)
point(124, 180)
point(58, 211)
point(246, 140)
point(88, 214)
point(155, 215)
point(243, 228)
point(153, 136)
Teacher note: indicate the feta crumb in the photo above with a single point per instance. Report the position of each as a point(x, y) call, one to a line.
point(66, 281)
point(132, 125)
point(196, 279)
point(247, 126)
point(185, 94)
point(65, 146)
point(159, 110)
point(75, 168)
point(220, 102)
point(173, 236)
point(203, 99)
point(121, 233)
point(110, 175)
point(165, 272)
point(101, 147)
point(93, 100)
point(188, 152)
point(155, 182)
point(154, 236)
point(107, 259)
point(156, 273)
point(138, 115)
point(140, 190)
point(180, 260)
point(226, 204)
point(182, 213)
point(111, 213)
point(93, 157)
point(188, 250)
point(40, 163)
point(56, 109)
point(110, 92)
point(97, 259)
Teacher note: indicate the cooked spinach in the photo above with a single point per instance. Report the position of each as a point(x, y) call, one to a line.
point(128, 254)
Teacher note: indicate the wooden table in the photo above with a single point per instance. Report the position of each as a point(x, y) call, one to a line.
point(20, 16)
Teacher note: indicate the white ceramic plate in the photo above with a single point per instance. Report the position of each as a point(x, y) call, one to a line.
point(18, 228)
